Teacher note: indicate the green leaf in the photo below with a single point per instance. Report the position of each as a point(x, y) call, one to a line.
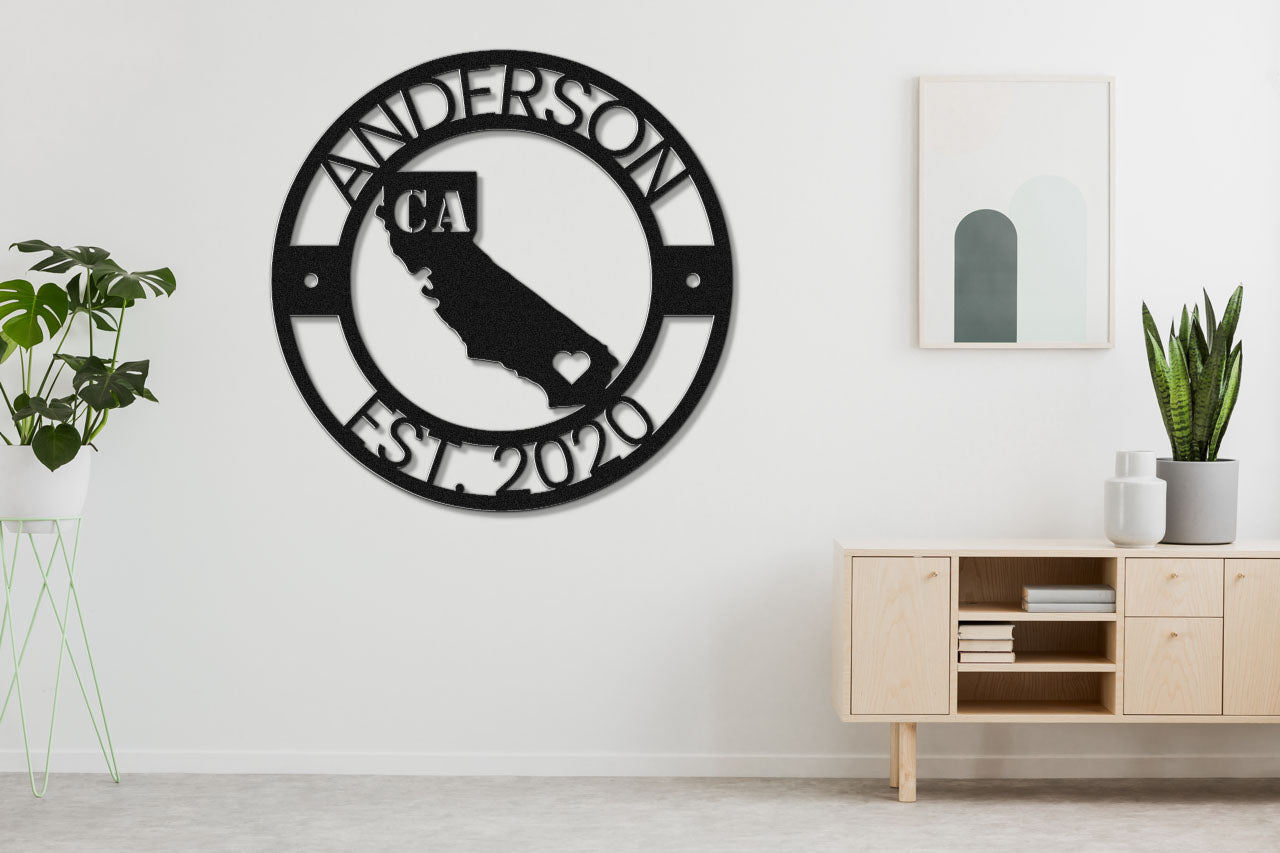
point(75, 362)
point(82, 300)
point(115, 302)
point(1149, 327)
point(59, 409)
point(113, 286)
point(1184, 332)
point(1179, 401)
point(60, 259)
point(95, 291)
point(55, 446)
point(103, 388)
point(1229, 394)
point(1160, 379)
point(106, 276)
point(9, 347)
point(1207, 399)
point(1200, 378)
point(73, 292)
point(1195, 362)
point(32, 246)
point(1197, 336)
point(134, 285)
point(95, 300)
point(1225, 334)
point(1211, 323)
point(28, 311)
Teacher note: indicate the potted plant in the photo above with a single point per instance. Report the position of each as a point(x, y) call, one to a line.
point(61, 401)
point(1197, 382)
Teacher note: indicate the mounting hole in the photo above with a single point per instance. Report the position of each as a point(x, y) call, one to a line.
point(311, 279)
point(693, 279)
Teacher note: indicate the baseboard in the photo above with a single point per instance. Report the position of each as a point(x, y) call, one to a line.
point(613, 764)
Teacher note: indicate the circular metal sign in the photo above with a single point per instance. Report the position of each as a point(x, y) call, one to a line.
point(599, 425)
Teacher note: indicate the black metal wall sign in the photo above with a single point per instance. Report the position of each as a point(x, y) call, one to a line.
point(598, 429)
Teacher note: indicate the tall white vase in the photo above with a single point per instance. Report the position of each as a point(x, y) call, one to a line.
point(1134, 501)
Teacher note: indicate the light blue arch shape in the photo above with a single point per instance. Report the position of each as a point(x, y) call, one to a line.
point(1051, 216)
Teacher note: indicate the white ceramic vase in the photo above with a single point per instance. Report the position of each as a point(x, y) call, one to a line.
point(30, 490)
point(1134, 501)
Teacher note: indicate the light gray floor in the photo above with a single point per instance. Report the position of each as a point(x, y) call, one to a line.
point(479, 814)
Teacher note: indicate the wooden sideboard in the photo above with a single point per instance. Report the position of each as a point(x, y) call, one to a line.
point(1195, 637)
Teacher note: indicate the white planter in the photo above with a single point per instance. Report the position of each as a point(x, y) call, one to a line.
point(30, 490)
point(1134, 501)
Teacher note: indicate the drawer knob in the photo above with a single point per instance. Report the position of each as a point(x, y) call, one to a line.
point(1239, 575)
point(1173, 633)
point(933, 574)
point(1172, 575)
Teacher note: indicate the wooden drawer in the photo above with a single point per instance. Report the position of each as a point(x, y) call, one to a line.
point(1172, 666)
point(1162, 587)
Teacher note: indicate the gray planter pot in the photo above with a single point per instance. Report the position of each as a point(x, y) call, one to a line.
point(1200, 501)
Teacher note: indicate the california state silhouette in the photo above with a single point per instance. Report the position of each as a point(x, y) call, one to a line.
point(431, 219)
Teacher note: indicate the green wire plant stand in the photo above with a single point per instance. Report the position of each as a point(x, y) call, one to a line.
point(12, 533)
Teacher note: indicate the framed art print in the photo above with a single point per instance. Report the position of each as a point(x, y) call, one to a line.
point(1017, 178)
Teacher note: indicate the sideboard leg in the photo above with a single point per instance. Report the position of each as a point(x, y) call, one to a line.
point(906, 762)
point(893, 755)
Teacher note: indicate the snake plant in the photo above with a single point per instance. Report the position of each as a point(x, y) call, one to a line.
point(1198, 380)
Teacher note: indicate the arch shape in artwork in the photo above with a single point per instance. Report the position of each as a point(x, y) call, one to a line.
point(1051, 217)
point(986, 278)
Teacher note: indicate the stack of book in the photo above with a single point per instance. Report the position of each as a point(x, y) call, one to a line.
point(986, 642)
point(1068, 598)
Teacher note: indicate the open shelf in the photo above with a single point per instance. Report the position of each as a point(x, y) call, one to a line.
point(1032, 708)
point(990, 588)
point(1013, 612)
point(1018, 690)
point(1046, 662)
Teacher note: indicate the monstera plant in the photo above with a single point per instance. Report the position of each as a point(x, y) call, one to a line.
point(64, 399)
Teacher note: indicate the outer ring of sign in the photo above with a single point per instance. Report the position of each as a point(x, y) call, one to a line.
point(290, 298)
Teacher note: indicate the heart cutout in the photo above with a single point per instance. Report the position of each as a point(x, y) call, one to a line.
point(571, 365)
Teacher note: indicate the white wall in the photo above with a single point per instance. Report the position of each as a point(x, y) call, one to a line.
point(260, 601)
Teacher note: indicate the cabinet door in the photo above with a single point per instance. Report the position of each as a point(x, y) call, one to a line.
point(1172, 666)
point(901, 624)
point(1251, 653)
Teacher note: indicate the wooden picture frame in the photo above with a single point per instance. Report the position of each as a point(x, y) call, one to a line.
point(1014, 176)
